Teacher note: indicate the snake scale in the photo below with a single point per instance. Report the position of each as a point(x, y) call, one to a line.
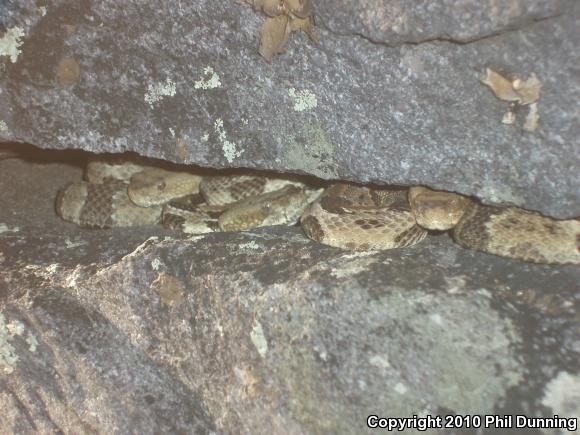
point(348, 216)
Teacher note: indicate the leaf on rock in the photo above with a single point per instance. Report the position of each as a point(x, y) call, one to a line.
point(519, 93)
point(523, 91)
point(529, 90)
point(304, 24)
point(274, 35)
point(284, 17)
point(501, 87)
point(270, 7)
point(300, 8)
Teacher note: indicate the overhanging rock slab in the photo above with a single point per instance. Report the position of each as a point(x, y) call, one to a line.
point(387, 96)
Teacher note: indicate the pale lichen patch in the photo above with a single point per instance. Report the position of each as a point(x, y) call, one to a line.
point(70, 244)
point(156, 264)
point(229, 148)
point(401, 388)
point(31, 341)
point(353, 267)
point(8, 331)
point(455, 284)
point(303, 100)
point(73, 277)
point(210, 81)
point(259, 339)
point(313, 153)
point(252, 245)
point(380, 361)
point(3, 126)
point(44, 272)
point(7, 229)
point(142, 247)
point(10, 43)
point(359, 254)
point(196, 237)
point(15, 328)
point(156, 92)
point(562, 394)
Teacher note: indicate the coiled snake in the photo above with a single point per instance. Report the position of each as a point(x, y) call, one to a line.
point(343, 215)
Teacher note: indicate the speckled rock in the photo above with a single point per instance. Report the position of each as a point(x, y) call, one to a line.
point(144, 330)
point(391, 94)
point(411, 21)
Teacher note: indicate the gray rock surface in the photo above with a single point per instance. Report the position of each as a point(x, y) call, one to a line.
point(145, 331)
point(391, 94)
point(410, 21)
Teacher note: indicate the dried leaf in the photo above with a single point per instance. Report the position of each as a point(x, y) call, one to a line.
point(532, 119)
point(285, 17)
point(270, 7)
point(274, 35)
point(300, 8)
point(293, 5)
point(529, 90)
point(501, 87)
point(304, 24)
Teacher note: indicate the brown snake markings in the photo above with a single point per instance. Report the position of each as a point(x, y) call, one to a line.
point(344, 215)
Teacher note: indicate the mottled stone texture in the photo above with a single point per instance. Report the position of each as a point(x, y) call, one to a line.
point(389, 95)
point(412, 21)
point(266, 332)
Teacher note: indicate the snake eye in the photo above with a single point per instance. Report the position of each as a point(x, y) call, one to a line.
point(161, 185)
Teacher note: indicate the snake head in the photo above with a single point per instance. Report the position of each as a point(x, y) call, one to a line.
point(436, 210)
point(156, 186)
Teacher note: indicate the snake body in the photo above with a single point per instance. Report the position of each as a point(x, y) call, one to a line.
point(355, 217)
point(130, 194)
point(103, 205)
point(516, 233)
point(345, 215)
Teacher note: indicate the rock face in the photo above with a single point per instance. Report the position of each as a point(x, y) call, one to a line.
point(144, 330)
point(390, 95)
